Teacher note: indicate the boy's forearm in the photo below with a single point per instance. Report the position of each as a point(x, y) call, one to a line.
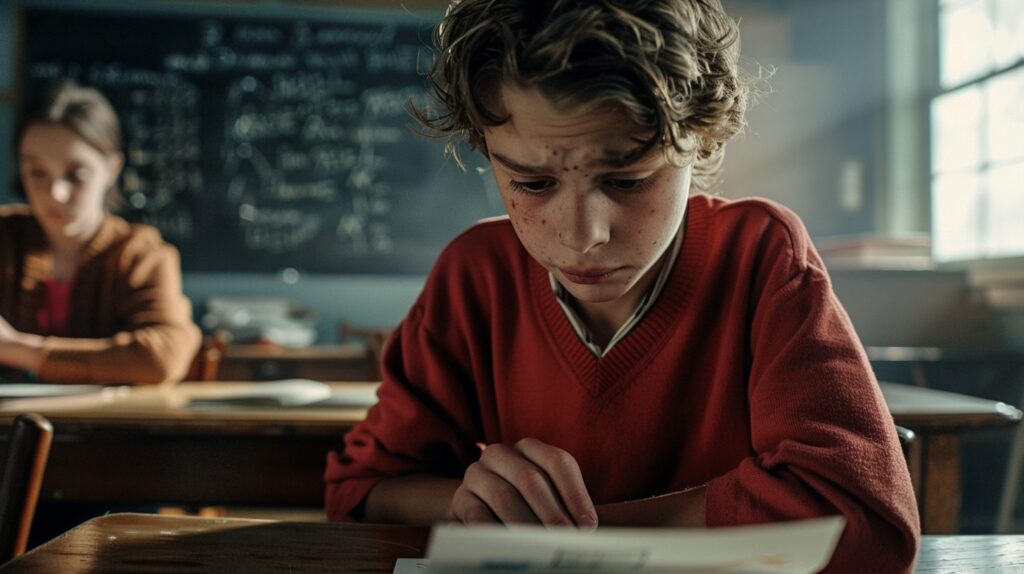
point(415, 499)
point(679, 509)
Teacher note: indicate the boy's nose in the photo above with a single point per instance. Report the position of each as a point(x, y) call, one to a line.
point(586, 224)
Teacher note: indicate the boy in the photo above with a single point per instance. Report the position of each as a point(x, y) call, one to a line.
point(617, 352)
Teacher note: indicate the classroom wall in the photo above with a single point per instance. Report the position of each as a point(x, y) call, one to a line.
point(816, 128)
point(813, 144)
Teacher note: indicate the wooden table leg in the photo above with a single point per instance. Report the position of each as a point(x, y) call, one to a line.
point(940, 488)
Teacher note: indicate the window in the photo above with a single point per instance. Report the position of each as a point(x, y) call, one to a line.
point(977, 130)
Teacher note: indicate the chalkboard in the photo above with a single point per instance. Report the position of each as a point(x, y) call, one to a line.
point(257, 144)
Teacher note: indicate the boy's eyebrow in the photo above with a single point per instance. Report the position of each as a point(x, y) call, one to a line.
point(515, 166)
point(624, 160)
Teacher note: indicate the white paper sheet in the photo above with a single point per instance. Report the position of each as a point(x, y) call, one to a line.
point(34, 390)
point(49, 397)
point(800, 547)
point(276, 394)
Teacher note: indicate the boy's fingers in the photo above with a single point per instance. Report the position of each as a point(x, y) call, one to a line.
point(530, 483)
point(469, 509)
point(564, 473)
point(500, 497)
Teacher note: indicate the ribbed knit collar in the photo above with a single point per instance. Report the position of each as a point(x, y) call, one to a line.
point(600, 374)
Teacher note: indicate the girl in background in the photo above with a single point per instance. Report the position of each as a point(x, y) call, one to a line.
point(84, 295)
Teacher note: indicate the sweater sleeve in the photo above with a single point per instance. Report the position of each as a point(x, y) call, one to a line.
point(823, 440)
point(422, 423)
point(158, 341)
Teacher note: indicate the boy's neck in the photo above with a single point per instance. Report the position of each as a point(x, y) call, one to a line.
point(603, 320)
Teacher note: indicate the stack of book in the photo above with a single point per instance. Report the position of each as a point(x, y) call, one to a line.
point(871, 251)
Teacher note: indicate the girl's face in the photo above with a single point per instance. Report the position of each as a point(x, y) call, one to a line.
point(66, 181)
point(599, 224)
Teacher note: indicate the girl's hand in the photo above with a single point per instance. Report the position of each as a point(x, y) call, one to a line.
point(8, 334)
point(19, 350)
point(529, 482)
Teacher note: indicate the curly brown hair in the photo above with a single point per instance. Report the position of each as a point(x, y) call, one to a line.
point(671, 65)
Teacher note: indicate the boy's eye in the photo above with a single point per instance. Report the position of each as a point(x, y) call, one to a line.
point(79, 176)
point(531, 186)
point(628, 184)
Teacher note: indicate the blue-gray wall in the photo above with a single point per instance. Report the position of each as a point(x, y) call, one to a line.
point(823, 120)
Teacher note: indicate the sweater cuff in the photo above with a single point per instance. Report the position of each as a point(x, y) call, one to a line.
point(720, 502)
point(345, 501)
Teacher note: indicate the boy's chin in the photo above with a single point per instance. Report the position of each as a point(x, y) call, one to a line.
point(596, 294)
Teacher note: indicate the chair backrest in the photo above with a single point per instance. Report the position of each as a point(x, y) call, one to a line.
point(206, 364)
point(22, 481)
point(907, 437)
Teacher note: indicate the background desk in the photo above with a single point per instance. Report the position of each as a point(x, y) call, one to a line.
point(142, 542)
point(938, 418)
point(152, 449)
point(994, 373)
point(347, 362)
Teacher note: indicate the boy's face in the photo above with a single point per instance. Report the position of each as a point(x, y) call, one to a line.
point(600, 226)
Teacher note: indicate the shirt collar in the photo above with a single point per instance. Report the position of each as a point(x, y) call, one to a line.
point(564, 299)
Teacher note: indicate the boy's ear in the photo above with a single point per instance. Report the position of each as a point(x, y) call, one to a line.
point(115, 162)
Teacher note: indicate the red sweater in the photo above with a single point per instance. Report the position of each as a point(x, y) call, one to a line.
point(745, 375)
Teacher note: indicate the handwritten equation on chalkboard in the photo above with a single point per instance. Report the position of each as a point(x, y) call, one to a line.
point(257, 144)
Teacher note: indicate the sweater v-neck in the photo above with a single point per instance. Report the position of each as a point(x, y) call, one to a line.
point(599, 375)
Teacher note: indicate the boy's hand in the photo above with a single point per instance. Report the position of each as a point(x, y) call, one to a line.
point(529, 482)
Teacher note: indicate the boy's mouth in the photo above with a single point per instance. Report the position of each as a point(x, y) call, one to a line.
point(587, 276)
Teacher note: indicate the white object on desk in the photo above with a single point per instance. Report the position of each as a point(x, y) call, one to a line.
point(277, 394)
point(27, 390)
point(290, 393)
point(33, 396)
point(797, 547)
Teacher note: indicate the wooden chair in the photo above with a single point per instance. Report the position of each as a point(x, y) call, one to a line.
point(907, 437)
point(912, 456)
point(22, 481)
point(206, 364)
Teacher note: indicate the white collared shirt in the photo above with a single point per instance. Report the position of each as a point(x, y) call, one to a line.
point(646, 302)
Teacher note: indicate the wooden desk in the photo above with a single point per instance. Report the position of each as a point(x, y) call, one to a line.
point(152, 449)
point(938, 417)
point(1009, 363)
point(150, 543)
point(346, 362)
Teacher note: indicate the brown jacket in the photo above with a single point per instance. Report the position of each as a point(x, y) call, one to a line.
point(129, 321)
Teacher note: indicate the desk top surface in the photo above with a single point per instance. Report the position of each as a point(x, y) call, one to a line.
point(921, 408)
point(136, 542)
point(344, 351)
point(166, 406)
point(945, 354)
